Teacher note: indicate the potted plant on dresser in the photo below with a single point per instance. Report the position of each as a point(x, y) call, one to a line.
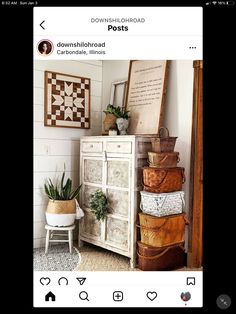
point(61, 209)
point(110, 119)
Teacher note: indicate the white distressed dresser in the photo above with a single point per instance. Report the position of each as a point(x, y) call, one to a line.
point(114, 165)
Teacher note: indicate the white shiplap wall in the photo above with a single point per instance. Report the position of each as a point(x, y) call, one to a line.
point(54, 147)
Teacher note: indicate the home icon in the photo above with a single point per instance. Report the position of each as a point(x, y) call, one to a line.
point(50, 296)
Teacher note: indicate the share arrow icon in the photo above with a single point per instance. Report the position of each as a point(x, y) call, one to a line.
point(81, 280)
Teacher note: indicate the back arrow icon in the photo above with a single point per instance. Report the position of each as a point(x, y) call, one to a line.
point(42, 25)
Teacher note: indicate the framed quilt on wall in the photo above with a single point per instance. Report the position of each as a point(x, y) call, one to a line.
point(67, 101)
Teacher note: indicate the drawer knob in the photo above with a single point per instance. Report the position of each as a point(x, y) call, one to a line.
point(91, 146)
point(118, 146)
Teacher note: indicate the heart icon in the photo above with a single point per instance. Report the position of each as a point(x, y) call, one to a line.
point(45, 281)
point(151, 295)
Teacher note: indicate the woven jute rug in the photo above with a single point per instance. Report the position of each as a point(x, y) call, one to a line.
point(93, 258)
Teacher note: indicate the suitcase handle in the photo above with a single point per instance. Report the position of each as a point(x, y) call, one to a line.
point(166, 172)
point(166, 130)
point(159, 255)
point(161, 161)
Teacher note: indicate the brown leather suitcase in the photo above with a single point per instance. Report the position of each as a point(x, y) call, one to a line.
point(163, 180)
point(165, 258)
point(162, 231)
point(163, 160)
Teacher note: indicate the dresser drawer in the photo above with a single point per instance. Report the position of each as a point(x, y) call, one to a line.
point(92, 147)
point(119, 147)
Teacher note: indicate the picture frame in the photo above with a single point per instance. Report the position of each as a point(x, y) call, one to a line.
point(118, 93)
point(67, 100)
point(146, 94)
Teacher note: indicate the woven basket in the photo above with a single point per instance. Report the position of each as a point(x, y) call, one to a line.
point(163, 180)
point(109, 122)
point(161, 160)
point(161, 144)
point(61, 207)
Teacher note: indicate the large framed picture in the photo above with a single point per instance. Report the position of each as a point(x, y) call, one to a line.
point(67, 101)
point(146, 93)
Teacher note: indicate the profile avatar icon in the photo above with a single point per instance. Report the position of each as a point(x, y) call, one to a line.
point(185, 296)
point(45, 47)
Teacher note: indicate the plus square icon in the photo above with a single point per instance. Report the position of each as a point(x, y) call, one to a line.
point(118, 295)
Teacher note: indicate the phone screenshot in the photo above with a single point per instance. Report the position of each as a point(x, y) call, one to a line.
point(122, 99)
point(118, 156)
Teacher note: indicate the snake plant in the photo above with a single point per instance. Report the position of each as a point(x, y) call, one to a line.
point(61, 191)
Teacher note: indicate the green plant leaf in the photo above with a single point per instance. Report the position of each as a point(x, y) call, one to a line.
point(60, 191)
point(47, 191)
point(75, 192)
point(62, 180)
point(98, 205)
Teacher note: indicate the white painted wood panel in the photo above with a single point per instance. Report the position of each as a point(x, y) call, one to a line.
point(70, 67)
point(96, 118)
point(39, 79)
point(93, 62)
point(96, 88)
point(38, 96)
point(39, 213)
point(39, 197)
point(38, 113)
point(40, 131)
point(96, 103)
point(56, 163)
point(96, 130)
point(39, 230)
point(56, 147)
point(41, 177)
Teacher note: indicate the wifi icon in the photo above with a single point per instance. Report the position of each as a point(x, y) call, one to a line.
point(81, 280)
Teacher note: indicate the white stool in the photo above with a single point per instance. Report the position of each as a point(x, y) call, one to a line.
point(50, 234)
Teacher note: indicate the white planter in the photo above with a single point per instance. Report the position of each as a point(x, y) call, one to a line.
point(60, 220)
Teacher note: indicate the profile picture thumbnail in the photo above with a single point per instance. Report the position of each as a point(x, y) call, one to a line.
point(45, 47)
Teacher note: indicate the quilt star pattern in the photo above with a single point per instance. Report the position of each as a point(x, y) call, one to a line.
point(67, 101)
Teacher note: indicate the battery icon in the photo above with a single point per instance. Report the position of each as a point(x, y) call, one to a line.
point(230, 2)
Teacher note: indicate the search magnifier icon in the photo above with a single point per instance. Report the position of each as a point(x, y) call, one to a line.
point(83, 295)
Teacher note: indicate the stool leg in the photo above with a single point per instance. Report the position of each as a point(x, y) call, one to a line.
point(47, 241)
point(70, 240)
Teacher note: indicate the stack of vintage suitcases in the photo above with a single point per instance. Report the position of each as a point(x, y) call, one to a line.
point(162, 221)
